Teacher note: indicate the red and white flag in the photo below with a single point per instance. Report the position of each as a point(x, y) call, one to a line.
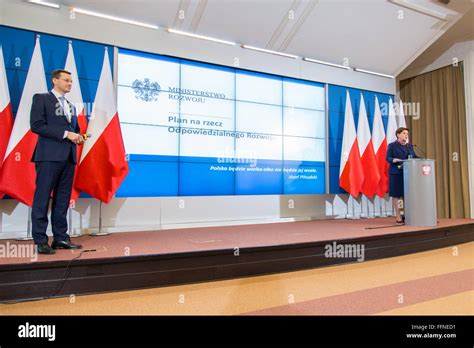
point(6, 115)
point(351, 173)
point(18, 172)
point(392, 123)
point(380, 147)
point(103, 165)
point(75, 97)
point(367, 153)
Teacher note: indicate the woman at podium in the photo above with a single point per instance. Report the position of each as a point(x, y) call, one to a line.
point(398, 151)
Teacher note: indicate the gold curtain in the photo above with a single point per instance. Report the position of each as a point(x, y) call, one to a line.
point(440, 131)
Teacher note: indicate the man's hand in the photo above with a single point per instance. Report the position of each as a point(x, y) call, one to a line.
point(75, 138)
point(81, 140)
point(395, 160)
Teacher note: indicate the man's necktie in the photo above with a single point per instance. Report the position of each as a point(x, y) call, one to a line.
point(62, 100)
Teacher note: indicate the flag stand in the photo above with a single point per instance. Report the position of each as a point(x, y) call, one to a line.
point(371, 200)
point(72, 234)
point(353, 216)
point(358, 200)
point(347, 208)
point(347, 212)
point(99, 233)
point(367, 200)
point(361, 201)
point(28, 228)
point(385, 213)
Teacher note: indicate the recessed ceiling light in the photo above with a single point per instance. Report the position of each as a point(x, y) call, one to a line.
point(327, 63)
point(270, 51)
point(44, 3)
point(374, 73)
point(113, 18)
point(202, 37)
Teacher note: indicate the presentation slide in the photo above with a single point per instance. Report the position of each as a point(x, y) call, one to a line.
point(195, 129)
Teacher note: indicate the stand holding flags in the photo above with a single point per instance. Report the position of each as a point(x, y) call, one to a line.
point(101, 160)
point(22, 141)
point(363, 168)
point(103, 164)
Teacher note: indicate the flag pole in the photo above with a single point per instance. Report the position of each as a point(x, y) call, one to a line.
point(72, 234)
point(353, 211)
point(366, 199)
point(372, 201)
point(358, 200)
point(383, 210)
point(347, 207)
point(380, 206)
point(100, 232)
point(28, 228)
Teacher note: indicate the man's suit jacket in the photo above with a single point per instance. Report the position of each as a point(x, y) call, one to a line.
point(49, 121)
point(397, 150)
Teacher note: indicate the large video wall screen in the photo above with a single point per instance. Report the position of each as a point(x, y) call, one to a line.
point(201, 129)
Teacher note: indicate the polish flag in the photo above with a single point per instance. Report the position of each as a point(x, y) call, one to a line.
point(380, 147)
point(351, 173)
point(392, 123)
point(6, 115)
point(103, 165)
point(366, 149)
point(75, 97)
point(18, 172)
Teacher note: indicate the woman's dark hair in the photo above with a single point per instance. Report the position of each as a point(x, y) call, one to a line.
point(401, 129)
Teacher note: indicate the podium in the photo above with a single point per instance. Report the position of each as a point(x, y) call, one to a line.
point(420, 192)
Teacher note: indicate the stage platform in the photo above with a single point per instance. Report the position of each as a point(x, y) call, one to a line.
point(134, 260)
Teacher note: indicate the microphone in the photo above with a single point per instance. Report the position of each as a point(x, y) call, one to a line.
point(422, 152)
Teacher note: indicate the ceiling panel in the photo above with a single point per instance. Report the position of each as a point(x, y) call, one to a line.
point(243, 21)
point(158, 12)
point(368, 32)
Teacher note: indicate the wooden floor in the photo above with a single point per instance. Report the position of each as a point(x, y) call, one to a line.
point(434, 282)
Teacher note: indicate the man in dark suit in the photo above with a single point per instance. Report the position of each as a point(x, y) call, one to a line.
point(54, 119)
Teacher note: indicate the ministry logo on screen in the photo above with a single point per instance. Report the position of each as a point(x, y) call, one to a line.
point(146, 90)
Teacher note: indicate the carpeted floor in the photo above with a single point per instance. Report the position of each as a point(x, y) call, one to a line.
point(222, 237)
